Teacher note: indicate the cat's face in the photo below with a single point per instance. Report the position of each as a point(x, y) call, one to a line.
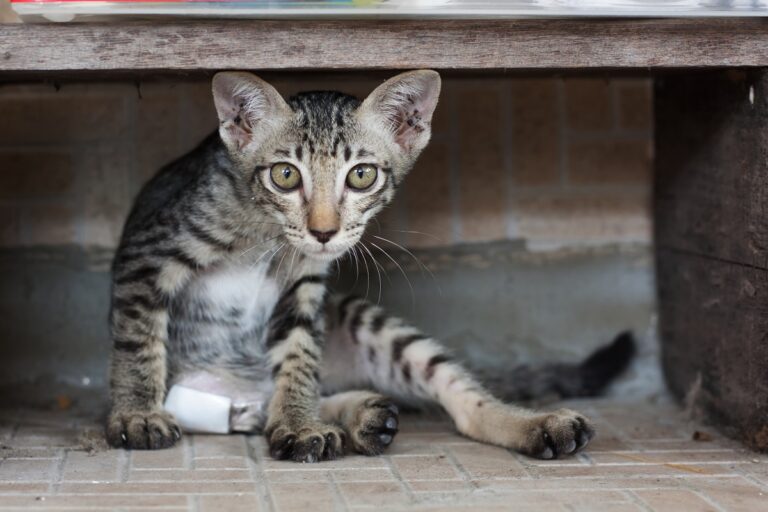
point(323, 164)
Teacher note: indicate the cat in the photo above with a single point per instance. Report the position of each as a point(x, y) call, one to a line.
point(220, 274)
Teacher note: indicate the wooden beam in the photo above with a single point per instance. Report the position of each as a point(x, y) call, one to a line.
point(190, 46)
point(711, 229)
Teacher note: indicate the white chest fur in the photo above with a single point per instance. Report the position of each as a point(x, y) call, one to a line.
point(237, 292)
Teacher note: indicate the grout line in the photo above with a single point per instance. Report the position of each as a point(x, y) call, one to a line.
point(140, 470)
point(399, 478)
point(129, 493)
point(525, 464)
point(752, 478)
point(193, 452)
point(681, 477)
point(666, 450)
point(259, 476)
point(686, 486)
point(124, 465)
point(188, 456)
point(580, 481)
point(28, 458)
point(637, 500)
point(459, 467)
point(321, 469)
point(339, 500)
point(639, 463)
point(58, 471)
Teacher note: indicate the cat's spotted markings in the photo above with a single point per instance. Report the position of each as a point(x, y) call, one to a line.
point(221, 273)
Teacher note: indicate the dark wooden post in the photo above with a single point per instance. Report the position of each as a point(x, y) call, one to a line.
point(711, 228)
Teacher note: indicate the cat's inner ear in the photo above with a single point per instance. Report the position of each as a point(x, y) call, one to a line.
point(247, 106)
point(404, 105)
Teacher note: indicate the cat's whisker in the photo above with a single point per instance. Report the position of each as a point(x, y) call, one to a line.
point(277, 272)
point(417, 260)
point(269, 260)
point(353, 252)
point(257, 245)
point(383, 270)
point(367, 273)
point(430, 235)
point(378, 272)
point(293, 259)
point(265, 253)
point(410, 286)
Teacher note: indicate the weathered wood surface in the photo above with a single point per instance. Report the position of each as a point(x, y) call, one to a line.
point(383, 44)
point(711, 226)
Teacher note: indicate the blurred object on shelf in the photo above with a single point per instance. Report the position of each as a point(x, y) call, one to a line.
point(7, 14)
point(68, 10)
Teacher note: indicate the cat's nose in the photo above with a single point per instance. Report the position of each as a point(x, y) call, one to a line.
point(323, 236)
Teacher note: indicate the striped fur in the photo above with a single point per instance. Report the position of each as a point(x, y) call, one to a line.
point(220, 277)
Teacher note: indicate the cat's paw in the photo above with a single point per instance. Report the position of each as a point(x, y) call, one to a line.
point(142, 430)
point(557, 434)
point(375, 426)
point(314, 442)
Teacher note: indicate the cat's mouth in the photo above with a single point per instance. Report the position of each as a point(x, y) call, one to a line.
point(325, 253)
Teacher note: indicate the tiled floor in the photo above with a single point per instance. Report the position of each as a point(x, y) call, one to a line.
point(643, 459)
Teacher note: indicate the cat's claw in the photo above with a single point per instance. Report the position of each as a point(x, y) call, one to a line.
point(306, 444)
point(376, 426)
point(142, 430)
point(561, 433)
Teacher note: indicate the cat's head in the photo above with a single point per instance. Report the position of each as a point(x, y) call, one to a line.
point(322, 164)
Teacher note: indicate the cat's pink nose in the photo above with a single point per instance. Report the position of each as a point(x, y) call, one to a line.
point(323, 236)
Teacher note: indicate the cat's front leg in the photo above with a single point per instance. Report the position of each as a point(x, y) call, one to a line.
point(138, 321)
point(294, 430)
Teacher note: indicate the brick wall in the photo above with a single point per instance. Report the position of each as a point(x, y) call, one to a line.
point(555, 162)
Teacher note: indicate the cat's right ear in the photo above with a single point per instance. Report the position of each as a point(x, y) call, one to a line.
point(247, 107)
point(403, 106)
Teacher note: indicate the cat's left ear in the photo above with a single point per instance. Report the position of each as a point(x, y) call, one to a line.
point(403, 105)
point(247, 107)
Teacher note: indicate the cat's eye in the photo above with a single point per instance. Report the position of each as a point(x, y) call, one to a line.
point(362, 176)
point(285, 176)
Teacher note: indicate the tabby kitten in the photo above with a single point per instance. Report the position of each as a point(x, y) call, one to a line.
point(220, 278)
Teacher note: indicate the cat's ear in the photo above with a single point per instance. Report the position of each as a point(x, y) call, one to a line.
point(403, 105)
point(247, 107)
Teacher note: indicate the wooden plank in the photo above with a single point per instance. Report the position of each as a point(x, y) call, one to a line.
point(711, 227)
point(714, 331)
point(712, 166)
point(383, 44)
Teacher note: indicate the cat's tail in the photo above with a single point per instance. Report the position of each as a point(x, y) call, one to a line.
point(555, 381)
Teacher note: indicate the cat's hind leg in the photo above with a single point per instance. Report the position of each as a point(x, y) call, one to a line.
point(367, 346)
point(370, 419)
